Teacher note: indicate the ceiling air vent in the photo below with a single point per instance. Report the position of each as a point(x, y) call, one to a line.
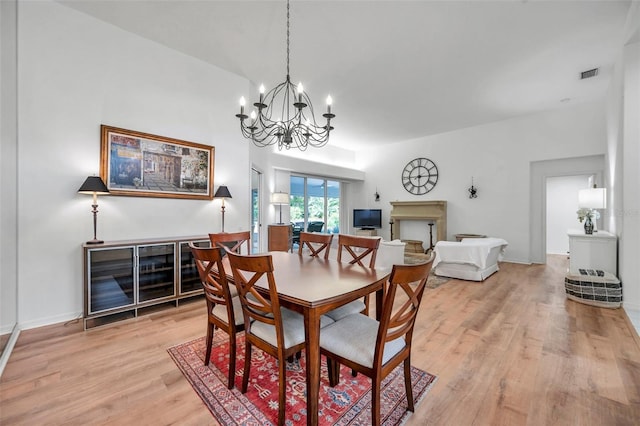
point(588, 74)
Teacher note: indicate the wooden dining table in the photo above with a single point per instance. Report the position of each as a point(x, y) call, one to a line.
point(313, 286)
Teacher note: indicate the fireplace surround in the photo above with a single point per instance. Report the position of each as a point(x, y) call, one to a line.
point(435, 211)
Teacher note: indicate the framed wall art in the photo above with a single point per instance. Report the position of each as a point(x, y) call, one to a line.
point(144, 165)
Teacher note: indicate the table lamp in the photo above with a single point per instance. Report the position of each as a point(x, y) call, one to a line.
point(222, 192)
point(280, 198)
point(593, 198)
point(94, 185)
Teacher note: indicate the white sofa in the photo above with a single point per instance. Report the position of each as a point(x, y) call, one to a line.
point(473, 259)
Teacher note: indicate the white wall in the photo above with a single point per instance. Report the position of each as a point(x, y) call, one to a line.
point(623, 152)
point(562, 204)
point(8, 172)
point(498, 156)
point(76, 73)
point(629, 266)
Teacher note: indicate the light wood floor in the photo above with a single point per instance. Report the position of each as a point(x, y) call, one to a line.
point(509, 351)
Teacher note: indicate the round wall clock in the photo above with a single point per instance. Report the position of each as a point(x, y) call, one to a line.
point(419, 176)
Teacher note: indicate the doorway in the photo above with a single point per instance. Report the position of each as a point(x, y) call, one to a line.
point(562, 205)
point(540, 171)
point(256, 222)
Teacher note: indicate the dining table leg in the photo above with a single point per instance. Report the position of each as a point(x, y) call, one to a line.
point(312, 349)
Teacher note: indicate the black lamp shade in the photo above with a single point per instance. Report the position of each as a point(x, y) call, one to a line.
point(93, 184)
point(222, 192)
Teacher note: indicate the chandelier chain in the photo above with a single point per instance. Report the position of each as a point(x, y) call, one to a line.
point(288, 40)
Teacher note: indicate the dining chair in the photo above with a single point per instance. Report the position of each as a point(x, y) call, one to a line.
point(295, 235)
point(359, 249)
point(315, 226)
point(278, 332)
point(315, 243)
point(224, 310)
point(375, 348)
point(232, 240)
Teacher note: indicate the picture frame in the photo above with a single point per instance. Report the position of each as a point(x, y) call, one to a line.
point(141, 164)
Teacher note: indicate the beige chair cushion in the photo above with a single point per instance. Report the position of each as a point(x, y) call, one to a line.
point(292, 324)
point(220, 311)
point(350, 308)
point(354, 338)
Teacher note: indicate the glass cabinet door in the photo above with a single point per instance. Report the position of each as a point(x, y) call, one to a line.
point(111, 278)
point(156, 271)
point(189, 278)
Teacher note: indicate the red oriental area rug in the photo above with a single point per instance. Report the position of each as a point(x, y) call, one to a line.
point(346, 404)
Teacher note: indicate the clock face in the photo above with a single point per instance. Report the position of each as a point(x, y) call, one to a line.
point(420, 176)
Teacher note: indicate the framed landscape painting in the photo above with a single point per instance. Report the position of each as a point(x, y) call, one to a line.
point(145, 165)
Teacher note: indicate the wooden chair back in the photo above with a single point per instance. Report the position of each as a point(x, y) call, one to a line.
point(218, 294)
point(208, 261)
point(368, 247)
point(247, 272)
point(261, 313)
point(232, 240)
point(398, 321)
point(316, 243)
point(394, 334)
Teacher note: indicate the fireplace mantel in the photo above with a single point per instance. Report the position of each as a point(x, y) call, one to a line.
point(435, 211)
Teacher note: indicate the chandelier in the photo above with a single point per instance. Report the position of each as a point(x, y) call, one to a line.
point(285, 116)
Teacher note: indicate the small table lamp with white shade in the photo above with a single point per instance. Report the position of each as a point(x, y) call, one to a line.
point(280, 198)
point(592, 198)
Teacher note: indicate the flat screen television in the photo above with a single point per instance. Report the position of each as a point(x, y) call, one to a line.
point(367, 218)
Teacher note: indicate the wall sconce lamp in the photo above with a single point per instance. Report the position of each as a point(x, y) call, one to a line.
point(473, 191)
point(280, 198)
point(222, 192)
point(94, 185)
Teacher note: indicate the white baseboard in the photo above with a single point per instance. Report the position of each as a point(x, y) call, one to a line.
point(9, 348)
point(41, 322)
point(634, 316)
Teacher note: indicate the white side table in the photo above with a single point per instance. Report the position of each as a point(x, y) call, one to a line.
point(596, 251)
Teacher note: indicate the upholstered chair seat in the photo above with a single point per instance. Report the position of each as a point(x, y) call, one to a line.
point(354, 337)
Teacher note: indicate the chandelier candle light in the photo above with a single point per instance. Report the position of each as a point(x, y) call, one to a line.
point(285, 116)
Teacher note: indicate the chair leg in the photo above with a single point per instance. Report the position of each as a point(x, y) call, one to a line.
point(333, 370)
point(407, 383)
point(366, 306)
point(282, 388)
point(232, 359)
point(207, 355)
point(247, 366)
point(375, 400)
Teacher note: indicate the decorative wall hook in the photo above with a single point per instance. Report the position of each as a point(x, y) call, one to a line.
point(473, 191)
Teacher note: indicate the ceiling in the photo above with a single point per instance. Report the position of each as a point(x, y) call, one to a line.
point(396, 70)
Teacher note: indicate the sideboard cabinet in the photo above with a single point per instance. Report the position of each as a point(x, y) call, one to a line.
point(593, 251)
point(279, 237)
point(122, 278)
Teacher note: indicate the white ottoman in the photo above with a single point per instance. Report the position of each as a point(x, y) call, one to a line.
point(390, 253)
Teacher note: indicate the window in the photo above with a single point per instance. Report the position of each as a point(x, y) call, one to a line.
point(316, 202)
